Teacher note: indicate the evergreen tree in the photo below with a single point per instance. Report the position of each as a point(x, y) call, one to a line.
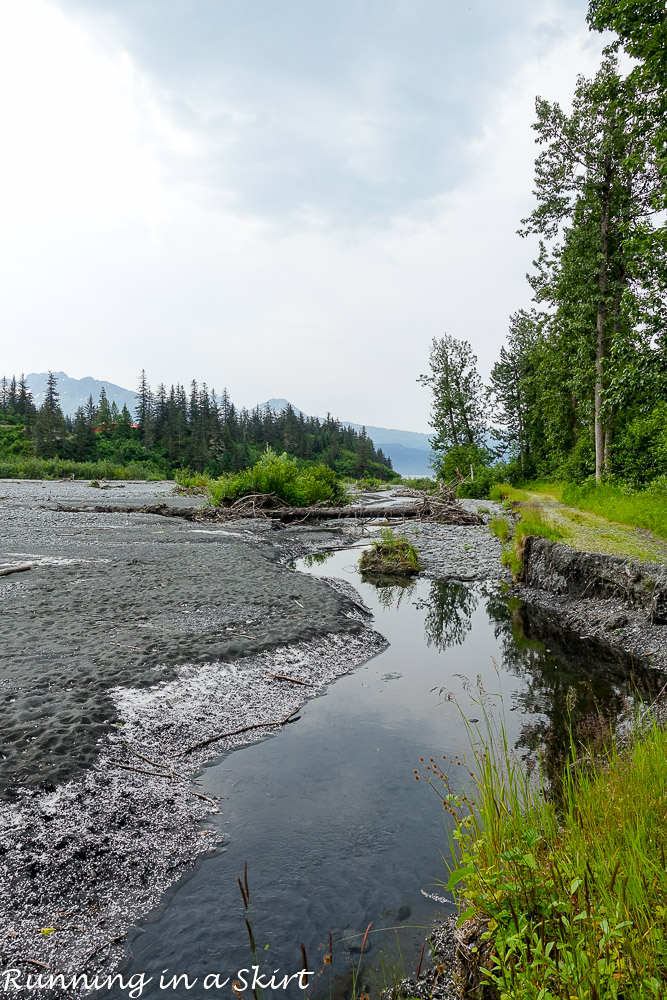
point(50, 429)
point(104, 418)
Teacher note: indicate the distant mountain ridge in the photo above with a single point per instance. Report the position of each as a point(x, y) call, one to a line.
point(410, 451)
point(74, 392)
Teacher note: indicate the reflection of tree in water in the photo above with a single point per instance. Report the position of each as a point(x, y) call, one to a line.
point(317, 558)
point(564, 677)
point(390, 592)
point(449, 614)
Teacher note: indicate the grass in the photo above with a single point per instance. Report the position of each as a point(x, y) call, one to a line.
point(506, 492)
point(500, 527)
point(392, 555)
point(645, 508)
point(532, 521)
point(568, 892)
point(60, 468)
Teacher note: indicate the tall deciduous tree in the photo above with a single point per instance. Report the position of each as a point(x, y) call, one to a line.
point(509, 387)
point(602, 261)
point(457, 416)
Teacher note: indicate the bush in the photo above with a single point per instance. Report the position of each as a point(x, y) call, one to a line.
point(60, 468)
point(418, 482)
point(279, 476)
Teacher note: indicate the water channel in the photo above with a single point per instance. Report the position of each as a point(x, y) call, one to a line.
point(335, 829)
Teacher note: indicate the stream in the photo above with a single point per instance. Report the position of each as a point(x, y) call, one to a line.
point(327, 813)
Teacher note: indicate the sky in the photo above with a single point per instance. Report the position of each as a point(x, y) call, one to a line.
point(289, 198)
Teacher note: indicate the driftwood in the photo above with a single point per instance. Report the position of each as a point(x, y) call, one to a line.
point(237, 732)
point(293, 680)
point(14, 569)
point(431, 508)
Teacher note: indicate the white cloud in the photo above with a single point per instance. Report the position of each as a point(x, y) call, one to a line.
point(121, 256)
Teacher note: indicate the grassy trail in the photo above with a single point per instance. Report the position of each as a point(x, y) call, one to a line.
point(589, 532)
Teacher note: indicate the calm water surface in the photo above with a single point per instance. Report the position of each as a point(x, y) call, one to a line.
point(335, 830)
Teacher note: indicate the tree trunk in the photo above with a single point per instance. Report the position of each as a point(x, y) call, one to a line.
point(600, 326)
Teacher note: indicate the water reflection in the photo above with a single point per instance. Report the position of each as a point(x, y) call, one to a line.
point(335, 830)
point(449, 610)
point(317, 558)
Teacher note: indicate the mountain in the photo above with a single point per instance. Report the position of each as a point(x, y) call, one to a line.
point(74, 392)
point(410, 451)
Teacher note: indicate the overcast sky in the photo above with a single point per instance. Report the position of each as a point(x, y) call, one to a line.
point(284, 197)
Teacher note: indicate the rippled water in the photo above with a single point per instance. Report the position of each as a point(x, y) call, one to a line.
point(335, 830)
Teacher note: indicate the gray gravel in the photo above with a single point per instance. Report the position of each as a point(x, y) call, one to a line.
point(455, 552)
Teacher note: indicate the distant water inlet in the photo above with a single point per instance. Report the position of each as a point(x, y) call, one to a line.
point(336, 832)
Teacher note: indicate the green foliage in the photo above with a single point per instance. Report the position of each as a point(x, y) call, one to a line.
point(531, 522)
point(646, 508)
point(392, 555)
point(14, 440)
point(282, 477)
point(458, 416)
point(174, 430)
point(572, 888)
point(418, 482)
point(454, 464)
point(642, 29)
point(505, 491)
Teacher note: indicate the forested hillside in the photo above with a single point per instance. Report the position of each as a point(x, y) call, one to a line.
point(580, 388)
point(170, 429)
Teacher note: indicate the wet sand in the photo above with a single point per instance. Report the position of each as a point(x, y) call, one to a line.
point(132, 638)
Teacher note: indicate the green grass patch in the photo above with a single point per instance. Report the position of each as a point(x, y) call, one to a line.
point(568, 891)
point(61, 468)
point(646, 508)
point(532, 521)
point(506, 492)
point(392, 555)
point(500, 527)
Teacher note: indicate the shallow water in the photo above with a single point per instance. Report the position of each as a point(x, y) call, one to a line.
point(335, 829)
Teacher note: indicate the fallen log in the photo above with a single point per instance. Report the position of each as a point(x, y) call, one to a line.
point(430, 509)
point(14, 569)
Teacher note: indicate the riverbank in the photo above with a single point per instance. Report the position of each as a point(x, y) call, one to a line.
point(131, 640)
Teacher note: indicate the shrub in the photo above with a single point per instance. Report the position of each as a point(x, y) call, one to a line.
point(279, 476)
point(60, 468)
point(418, 482)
